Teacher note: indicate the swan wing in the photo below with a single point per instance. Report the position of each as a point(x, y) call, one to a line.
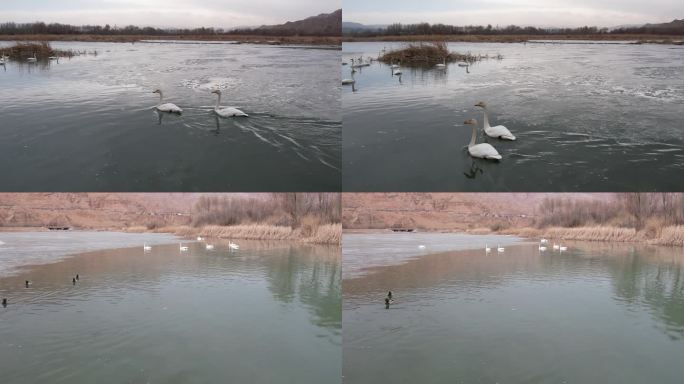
point(499, 132)
point(229, 112)
point(169, 107)
point(484, 151)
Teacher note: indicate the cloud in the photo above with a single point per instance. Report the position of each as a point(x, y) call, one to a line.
point(521, 12)
point(165, 13)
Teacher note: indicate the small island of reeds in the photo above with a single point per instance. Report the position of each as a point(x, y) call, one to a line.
point(429, 53)
point(41, 50)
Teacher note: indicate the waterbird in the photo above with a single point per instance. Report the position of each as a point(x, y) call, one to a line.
point(487, 249)
point(387, 302)
point(542, 248)
point(32, 59)
point(78, 277)
point(166, 107)
point(350, 81)
point(389, 295)
point(396, 72)
point(543, 241)
point(556, 246)
point(28, 283)
point(441, 65)
point(200, 238)
point(53, 58)
point(500, 248)
point(147, 247)
point(463, 64)
point(209, 247)
point(182, 247)
point(499, 131)
point(421, 246)
point(4, 303)
point(227, 111)
point(562, 248)
point(232, 245)
point(73, 281)
point(482, 150)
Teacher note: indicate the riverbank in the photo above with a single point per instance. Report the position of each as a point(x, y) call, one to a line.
point(330, 234)
point(654, 235)
point(238, 39)
point(638, 39)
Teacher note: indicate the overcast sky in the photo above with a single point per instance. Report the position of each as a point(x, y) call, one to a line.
point(561, 13)
point(165, 13)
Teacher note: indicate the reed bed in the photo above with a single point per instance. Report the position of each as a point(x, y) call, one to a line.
point(313, 234)
point(428, 53)
point(42, 51)
point(597, 233)
point(672, 235)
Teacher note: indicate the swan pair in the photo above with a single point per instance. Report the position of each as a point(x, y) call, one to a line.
point(173, 108)
point(485, 150)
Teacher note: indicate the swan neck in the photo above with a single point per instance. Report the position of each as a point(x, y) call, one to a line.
point(473, 138)
point(486, 118)
point(218, 101)
point(161, 97)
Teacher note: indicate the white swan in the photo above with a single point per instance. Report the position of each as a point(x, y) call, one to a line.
point(543, 241)
point(209, 247)
point(182, 247)
point(32, 59)
point(482, 150)
point(232, 245)
point(166, 107)
point(541, 247)
point(556, 246)
point(350, 81)
point(227, 111)
point(500, 248)
point(487, 248)
point(396, 72)
point(562, 248)
point(200, 238)
point(421, 246)
point(499, 132)
point(394, 66)
point(463, 64)
point(2, 61)
point(441, 65)
point(146, 247)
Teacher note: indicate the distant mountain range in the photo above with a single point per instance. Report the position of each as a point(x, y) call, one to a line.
point(325, 24)
point(352, 26)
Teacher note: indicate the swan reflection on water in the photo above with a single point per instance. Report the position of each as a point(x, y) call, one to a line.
point(473, 171)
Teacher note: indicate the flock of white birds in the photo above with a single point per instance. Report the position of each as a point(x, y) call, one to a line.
point(184, 248)
point(481, 150)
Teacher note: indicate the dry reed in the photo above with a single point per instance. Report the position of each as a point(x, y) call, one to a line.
point(427, 53)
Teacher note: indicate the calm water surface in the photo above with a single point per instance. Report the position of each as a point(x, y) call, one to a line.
point(588, 117)
point(598, 313)
point(88, 124)
point(270, 312)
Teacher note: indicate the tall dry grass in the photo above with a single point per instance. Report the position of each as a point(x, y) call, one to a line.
point(427, 53)
point(672, 235)
point(43, 50)
point(319, 234)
